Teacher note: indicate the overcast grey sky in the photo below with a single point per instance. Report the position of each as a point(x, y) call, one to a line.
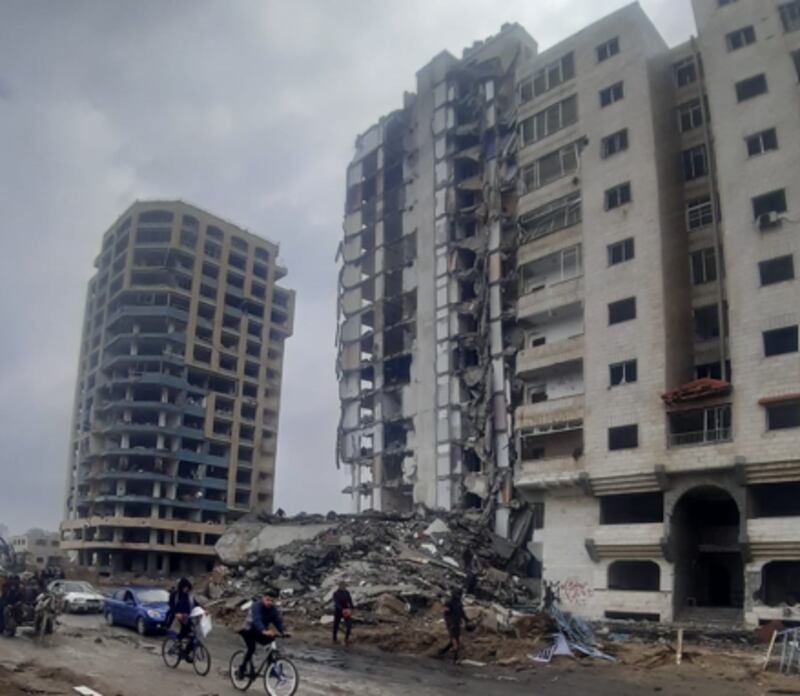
point(248, 109)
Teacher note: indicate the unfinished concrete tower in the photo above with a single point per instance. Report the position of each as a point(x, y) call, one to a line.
point(176, 410)
point(421, 356)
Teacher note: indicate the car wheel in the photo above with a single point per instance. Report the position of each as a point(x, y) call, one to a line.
point(109, 618)
point(141, 627)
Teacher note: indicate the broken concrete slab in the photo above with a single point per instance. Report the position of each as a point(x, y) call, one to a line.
point(437, 527)
point(245, 538)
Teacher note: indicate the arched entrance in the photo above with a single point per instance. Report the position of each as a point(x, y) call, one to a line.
point(709, 570)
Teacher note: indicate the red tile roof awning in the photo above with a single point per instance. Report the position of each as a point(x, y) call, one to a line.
point(696, 389)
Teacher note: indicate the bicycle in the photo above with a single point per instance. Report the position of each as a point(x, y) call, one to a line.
point(280, 675)
point(195, 651)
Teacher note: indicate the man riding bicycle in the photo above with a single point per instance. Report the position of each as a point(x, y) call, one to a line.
point(262, 614)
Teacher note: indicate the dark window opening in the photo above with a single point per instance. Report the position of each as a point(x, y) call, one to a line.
point(632, 508)
point(699, 426)
point(614, 143)
point(623, 437)
point(703, 266)
point(685, 72)
point(620, 251)
point(622, 310)
point(780, 583)
point(740, 38)
point(776, 270)
point(780, 341)
point(762, 142)
point(772, 202)
point(706, 323)
point(784, 415)
point(397, 370)
point(751, 87)
point(695, 163)
point(774, 500)
point(643, 576)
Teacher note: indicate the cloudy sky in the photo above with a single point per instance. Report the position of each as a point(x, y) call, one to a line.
point(246, 108)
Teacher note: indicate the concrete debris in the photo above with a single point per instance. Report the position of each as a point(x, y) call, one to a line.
point(393, 564)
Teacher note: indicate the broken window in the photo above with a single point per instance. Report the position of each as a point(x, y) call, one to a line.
point(699, 213)
point(550, 76)
point(776, 270)
point(761, 142)
point(535, 393)
point(607, 49)
point(642, 576)
point(623, 437)
point(614, 143)
point(553, 216)
point(397, 370)
point(780, 583)
point(632, 508)
point(551, 167)
point(703, 266)
point(706, 323)
point(620, 251)
point(772, 202)
point(790, 15)
point(611, 94)
point(622, 310)
point(617, 196)
point(712, 370)
point(783, 415)
point(751, 87)
point(685, 72)
point(780, 341)
point(690, 115)
point(700, 426)
point(622, 372)
point(740, 38)
point(549, 120)
point(695, 163)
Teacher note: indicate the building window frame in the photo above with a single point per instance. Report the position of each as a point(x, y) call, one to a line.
point(699, 213)
point(782, 415)
point(785, 272)
point(694, 162)
point(614, 143)
point(740, 38)
point(558, 214)
point(684, 71)
point(761, 142)
point(612, 94)
point(621, 251)
point(541, 172)
point(550, 120)
point(607, 49)
point(548, 77)
point(780, 341)
point(617, 196)
point(626, 436)
point(703, 266)
point(622, 310)
point(790, 16)
point(690, 115)
point(621, 373)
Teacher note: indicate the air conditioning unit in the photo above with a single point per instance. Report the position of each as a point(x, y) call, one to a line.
point(767, 220)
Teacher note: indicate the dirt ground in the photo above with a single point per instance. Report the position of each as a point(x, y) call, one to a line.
point(116, 662)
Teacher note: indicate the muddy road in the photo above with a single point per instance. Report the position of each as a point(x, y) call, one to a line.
point(116, 662)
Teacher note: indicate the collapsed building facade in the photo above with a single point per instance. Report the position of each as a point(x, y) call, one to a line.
point(176, 411)
point(567, 298)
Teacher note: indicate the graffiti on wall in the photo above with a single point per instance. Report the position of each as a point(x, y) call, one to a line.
point(570, 590)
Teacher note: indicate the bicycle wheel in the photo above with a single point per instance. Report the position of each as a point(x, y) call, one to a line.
point(281, 678)
point(242, 684)
point(171, 652)
point(202, 660)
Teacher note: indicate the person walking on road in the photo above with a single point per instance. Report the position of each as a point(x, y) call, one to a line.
point(342, 609)
point(453, 618)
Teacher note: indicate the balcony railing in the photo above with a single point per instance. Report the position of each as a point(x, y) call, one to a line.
point(700, 437)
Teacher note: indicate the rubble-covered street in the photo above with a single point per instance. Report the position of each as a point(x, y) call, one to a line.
point(116, 662)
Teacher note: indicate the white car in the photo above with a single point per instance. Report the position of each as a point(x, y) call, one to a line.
point(77, 596)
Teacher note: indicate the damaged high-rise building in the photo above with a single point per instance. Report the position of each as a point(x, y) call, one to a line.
point(567, 298)
point(175, 420)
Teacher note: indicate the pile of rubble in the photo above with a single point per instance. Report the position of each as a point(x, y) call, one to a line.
point(393, 564)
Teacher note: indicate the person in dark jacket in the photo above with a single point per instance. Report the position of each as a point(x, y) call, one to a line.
point(453, 618)
point(262, 614)
point(342, 609)
point(181, 603)
point(11, 595)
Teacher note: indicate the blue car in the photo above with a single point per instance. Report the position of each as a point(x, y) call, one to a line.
point(142, 608)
